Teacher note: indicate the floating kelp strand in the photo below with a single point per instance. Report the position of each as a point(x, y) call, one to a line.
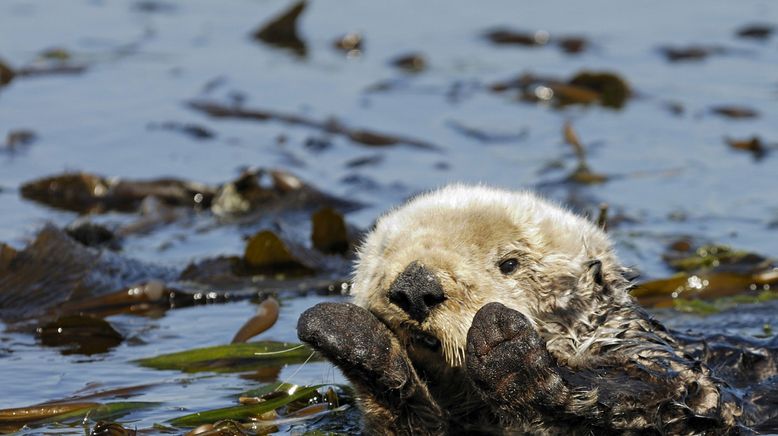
point(362, 136)
point(231, 358)
point(266, 317)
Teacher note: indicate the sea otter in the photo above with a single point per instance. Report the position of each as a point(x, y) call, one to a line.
point(480, 310)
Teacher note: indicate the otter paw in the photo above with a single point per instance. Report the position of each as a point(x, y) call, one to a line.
point(507, 360)
point(351, 337)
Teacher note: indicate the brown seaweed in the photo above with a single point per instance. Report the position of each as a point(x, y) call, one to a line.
point(410, 62)
point(54, 269)
point(89, 193)
point(281, 31)
point(585, 87)
point(734, 111)
point(6, 74)
point(755, 31)
point(329, 233)
point(80, 334)
point(266, 317)
point(690, 53)
point(539, 38)
point(582, 173)
point(331, 126)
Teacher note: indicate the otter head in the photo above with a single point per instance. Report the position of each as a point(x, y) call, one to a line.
point(430, 265)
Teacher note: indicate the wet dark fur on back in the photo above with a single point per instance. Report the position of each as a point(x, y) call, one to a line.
point(480, 310)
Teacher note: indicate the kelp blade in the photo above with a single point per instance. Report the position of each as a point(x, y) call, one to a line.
point(232, 358)
point(241, 413)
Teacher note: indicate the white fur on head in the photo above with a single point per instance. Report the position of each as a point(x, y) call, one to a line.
point(461, 231)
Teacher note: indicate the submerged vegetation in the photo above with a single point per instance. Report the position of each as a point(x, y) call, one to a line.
point(182, 180)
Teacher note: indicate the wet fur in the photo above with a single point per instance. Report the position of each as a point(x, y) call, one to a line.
point(561, 349)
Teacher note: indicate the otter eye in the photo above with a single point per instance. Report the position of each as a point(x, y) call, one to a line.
point(509, 266)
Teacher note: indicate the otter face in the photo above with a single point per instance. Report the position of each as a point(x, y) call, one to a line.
point(430, 265)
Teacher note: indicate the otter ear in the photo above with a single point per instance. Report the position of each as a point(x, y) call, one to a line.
point(592, 279)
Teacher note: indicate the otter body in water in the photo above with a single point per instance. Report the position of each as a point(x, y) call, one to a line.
point(483, 310)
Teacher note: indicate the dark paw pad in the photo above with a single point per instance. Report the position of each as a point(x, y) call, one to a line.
point(347, 334)
point(505, 355)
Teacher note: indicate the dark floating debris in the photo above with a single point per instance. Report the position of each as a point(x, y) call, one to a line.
point(352, 44)
point(282, 32)
point(93, 235)
point(753, 145)
point(6, 73)
point(154, 6)
point(582, 173)
point(332, 126)
point(195, 131)
point(486, 136)
point(691, 53)
point(735, 112)
point(755, 31)
point(504, 36)
point(539, 38)
point(82, 334)
point(89, 193)
point(410, 62)
point(585, 87)
point(359, 162)
point(17, 139)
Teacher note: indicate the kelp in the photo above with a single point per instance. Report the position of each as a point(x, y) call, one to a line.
point(705, 286)
point(82, 334)
point(104, 428)
point(510, 37)
point(691, 52)
point(18, 139)
point(585, 87)
point(711, 277)
point(329, 233)
point(282, 32)
point(734, 111)
point(684, 255)
point(753, 145)
point(244, 412)
point(756, 31)
point(332, 126)
point(67, 412)
point(410, 62)
point(89, 193)
point(582, 173)
point(54, 269)
point(237, 357)
point(6, 74)
point(270, 191)
point(266, 317)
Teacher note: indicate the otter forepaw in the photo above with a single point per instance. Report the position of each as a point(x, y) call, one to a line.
point(508, 362)
point(369, 354)
point(350, 336)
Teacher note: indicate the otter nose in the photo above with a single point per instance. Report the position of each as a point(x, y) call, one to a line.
point(416, 291)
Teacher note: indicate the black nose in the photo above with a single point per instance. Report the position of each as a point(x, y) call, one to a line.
point(416, 291)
